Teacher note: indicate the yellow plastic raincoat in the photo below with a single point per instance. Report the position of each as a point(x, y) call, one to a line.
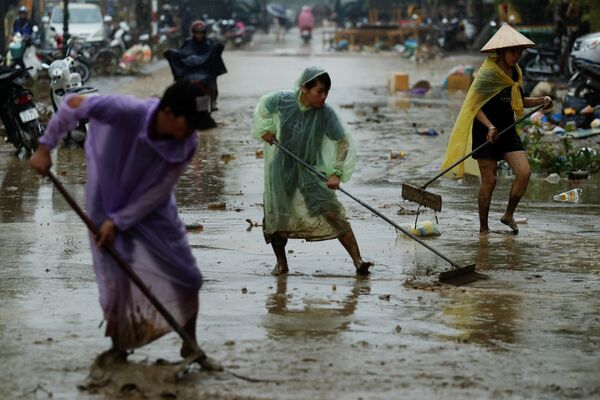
point(489, 81)
point(296, 200)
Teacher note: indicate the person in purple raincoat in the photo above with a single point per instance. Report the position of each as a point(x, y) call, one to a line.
point(136, 150)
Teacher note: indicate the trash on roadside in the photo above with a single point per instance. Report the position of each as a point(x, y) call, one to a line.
point(537, 118)
point(420, 88)
point(542, 89)
point(595, 123)
point(251, 224)
point(394, 155)
point(521, 221)
point(259, 153)
point(219, 205)
point(425, 228)
point(194, 228)
point(227, 157)
point(426, 132)
point(553, 178)
point(576, 175)
point(570, 196)
point(587, 110)
point(458, 78)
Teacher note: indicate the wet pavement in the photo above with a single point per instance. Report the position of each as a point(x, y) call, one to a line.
point(530, 330)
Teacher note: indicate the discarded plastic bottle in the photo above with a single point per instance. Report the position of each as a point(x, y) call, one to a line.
point(571, 196)
point(426, 132)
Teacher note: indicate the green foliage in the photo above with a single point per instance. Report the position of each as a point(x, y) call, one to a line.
point(548, 157)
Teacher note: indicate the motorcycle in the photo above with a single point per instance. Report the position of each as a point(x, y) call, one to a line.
point(306, 35)
point(18, 111)
point(64, 80)
point(585, 82)
point(122, 39)
point(194, 69)
point(22, 53)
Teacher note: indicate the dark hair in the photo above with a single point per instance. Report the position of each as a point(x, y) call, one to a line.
point(182, 99)
point(323, 78)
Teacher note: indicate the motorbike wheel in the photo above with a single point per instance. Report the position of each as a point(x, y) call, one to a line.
point(30, 132)
point(53, 101)
point(106, 63)
point(83, 69)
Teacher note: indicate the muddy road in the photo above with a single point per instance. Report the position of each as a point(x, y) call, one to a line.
point(531, 330)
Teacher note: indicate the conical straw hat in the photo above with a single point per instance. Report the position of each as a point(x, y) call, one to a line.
point(507, 36)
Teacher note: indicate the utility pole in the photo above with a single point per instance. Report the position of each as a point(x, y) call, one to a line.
point(3, 6)
point(66, 35)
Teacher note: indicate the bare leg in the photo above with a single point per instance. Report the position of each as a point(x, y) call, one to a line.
point(278, 243)
point(520, 165)
point(190, 329)
point(111, 356)
point(351, 246)
point(348, 240)
point(488, 170)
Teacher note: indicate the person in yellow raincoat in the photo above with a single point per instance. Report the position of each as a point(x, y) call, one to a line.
point(494, 98)
point(298, 204)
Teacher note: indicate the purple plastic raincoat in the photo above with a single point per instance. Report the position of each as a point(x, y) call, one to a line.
point(131, 179)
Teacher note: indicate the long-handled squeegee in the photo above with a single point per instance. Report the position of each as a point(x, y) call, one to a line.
point(418, 194)
point(456, 275)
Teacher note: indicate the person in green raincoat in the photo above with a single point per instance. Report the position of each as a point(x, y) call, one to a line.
point(297, 203)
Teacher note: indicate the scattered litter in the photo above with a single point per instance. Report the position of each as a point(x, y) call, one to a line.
point(420, 88)
point(571, 196)
point(587, 110)
point(385, 297)
point(576, 175)
point(194, 228)
point(398, 329)
point(521, 221)
point(252, 224)
point(244, 290)
point(405, 211)
point(394, 155)
point(333, 288)
point(425, 228)
point(227, 157)
point(595, 123)
point(426, 132)
point(553, 178)
point(259, 153)
point(219, 205)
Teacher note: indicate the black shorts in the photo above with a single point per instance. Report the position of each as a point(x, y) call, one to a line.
point(508, 142)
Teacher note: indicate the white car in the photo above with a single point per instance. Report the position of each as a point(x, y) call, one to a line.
point(85, 21)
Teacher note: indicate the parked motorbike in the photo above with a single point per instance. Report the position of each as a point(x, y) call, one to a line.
point(455, 33)
point(122, 39)
point(585, 82)
point(18, 111)
point(64, 80)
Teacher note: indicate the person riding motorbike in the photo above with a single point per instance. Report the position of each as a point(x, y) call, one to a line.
point(199, 60)
point(306, 20)
point(22, 24)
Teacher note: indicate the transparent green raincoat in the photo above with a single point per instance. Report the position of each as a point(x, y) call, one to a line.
point(298, 204)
